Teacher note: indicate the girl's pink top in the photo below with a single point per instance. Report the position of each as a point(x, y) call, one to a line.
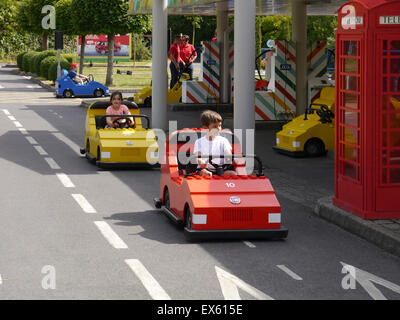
point(123, 109)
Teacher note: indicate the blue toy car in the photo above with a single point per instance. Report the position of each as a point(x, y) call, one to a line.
point(67, 88)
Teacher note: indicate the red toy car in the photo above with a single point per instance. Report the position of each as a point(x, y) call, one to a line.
point(102, 47)
point(236, 207)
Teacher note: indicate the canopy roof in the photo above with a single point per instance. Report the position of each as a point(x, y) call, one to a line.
point(264, 7)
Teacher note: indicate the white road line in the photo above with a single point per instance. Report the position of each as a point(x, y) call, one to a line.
point(249, 244)
point(65, 180)
point(110, 235)
point(41, 151)
point(18, 124)
point(23, 130)
point(289, 272)
point(1, 87)
point(6, 112)
point(83, 203)
point(1, 280)
point(11, 118)
point(31, 140)
point(52, 163)
point(68, 142)
point(151, 284)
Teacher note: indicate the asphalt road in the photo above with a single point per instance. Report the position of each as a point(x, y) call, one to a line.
point(71, 231)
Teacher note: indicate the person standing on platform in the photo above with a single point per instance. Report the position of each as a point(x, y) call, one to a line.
point(174, 56)
point(186, 51)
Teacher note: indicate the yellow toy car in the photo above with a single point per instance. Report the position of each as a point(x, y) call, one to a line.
point(313, 133)
point(119, 147)
point(174, 95)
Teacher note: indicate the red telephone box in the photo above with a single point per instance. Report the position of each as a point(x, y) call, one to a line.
point(367, 150)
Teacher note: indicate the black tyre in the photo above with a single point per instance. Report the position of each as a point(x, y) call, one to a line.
point(98, 93)
point(167, 202)
point(188, 218)
point(98, 154)
point(68, 93)
point(314, 148)
point(147, 102)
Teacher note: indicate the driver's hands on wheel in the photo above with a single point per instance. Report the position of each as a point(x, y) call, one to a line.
point(205, 172)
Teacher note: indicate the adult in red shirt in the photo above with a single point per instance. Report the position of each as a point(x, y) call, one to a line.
point(174, 56)
point(186, 51)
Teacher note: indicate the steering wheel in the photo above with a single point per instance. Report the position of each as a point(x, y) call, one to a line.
point(123, 124)
point(325, 114)
point(90, 78)
point(220, 168)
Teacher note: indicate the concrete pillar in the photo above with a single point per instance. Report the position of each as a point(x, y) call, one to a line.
point(299, 35)
point(159, 67)
point(222, 25)
point(244, 47)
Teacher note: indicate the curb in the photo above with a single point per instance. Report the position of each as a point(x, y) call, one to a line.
point(366, 229)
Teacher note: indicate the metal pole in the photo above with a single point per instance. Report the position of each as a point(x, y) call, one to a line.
point(59, 64)
point(299, 35)
point(159, 66)
point(244, 46)
point(222, 25)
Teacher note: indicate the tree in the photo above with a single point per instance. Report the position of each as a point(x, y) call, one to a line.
point(109, 17)
point(30, 18)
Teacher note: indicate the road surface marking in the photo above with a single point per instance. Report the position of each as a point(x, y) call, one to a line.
point(12, 118)
point(18, 124)
point(31, 140)
point(41, 151)
point(52, 163)
point(1, 280)
point(230, 284)
point(110, 235)
point(68, 142)
point(65, 180)
point(289, 272)
point(23, 130)
point(249, 244)
point(1, 87)
point(151, 284)
point(366, 279)
point(83, 203)
point(6, 112)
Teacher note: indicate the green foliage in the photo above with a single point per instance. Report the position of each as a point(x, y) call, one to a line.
point(19, 59)
point(69, 57)
point(140, 51)
point(41, 56)
point(32, 16)
point(65, 17)
point(205, 27)
point(52, 73)
point(46, 64)
point(276, 28)
point(27, 61)
point(322, 28)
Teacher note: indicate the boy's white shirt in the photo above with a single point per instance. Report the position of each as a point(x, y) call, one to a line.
point(216, 147)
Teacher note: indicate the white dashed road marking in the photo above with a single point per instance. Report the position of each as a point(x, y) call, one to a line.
point(53, 165)
point(41, 151)
point(18, 124)
point(65, 180)
point(31, 140)
point(11, 118)
point(6, 112)
point(1, 280)
point(289, 272)
point(1, 87)
point(151, 284)
point(23, 130)
point(83, 203)
point(249, 244)
point(110, 235)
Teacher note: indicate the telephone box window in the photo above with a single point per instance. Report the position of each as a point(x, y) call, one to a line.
point(395, 175)
point(350, 101)
point(395, 48)
point(350, 48)
point(350, 170)
point(395, 84)
point(395, 66)
point(350, 65)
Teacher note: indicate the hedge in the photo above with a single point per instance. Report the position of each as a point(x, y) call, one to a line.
point(19, 59)
point(27, 61)
point(69, 57)
point(39, 58)
point(46, 64)
point(52, 73)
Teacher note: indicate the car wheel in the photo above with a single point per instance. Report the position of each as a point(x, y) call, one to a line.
point(147, 102)
point(167, 202)
point(68, 93)
point(314, 147)
point(98, 93)
point(188, 218)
